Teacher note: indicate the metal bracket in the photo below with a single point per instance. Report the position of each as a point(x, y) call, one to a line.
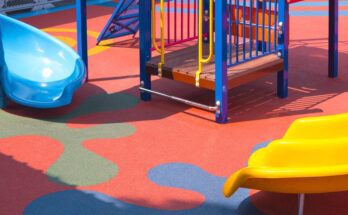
point(218, 106)
point(160, 69)
point(159, 72)
point(280, 28)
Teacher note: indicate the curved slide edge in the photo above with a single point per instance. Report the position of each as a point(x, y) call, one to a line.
point(36, 69)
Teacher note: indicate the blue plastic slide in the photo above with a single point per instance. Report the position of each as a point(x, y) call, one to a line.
point(36, 69)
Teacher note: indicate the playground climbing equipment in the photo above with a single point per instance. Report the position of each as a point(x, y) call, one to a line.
point(216, 45)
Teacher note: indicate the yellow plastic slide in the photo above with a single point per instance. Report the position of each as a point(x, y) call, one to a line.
point(312, 157)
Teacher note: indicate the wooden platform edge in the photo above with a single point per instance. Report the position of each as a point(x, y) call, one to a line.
point(180, 77)
point(259, 72)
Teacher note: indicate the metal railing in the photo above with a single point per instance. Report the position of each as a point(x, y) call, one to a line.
point(176, 18)
point(253, 29)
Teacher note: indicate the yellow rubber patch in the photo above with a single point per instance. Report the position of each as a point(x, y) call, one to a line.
point(92, 51)
point(67, 40)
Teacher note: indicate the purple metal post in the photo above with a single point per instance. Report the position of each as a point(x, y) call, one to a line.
point(175, 24)
point(168, 20)
point(333, 38)
point(195, 18)
point(188, 18)
point(182, 19)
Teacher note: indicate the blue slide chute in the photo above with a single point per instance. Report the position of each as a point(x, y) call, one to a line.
point(37, 70)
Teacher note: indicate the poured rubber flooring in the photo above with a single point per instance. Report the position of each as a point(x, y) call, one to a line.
point(110, 153)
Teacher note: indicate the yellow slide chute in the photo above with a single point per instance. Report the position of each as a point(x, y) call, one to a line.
point(312, 157)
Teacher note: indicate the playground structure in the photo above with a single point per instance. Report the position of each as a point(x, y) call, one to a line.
point(236, 42)
point(256, 44)
point(49, 71)
point(246, 44)
point(306, 160)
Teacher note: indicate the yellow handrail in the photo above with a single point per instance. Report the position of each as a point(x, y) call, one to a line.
point(153, 26)
point(202, 60)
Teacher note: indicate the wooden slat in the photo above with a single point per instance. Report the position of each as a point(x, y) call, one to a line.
point(181, 65)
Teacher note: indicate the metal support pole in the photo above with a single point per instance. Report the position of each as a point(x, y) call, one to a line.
point(283, 44)
point(145, 46)
point(333, 38)
point(181, 100)
point(81, 20)
point(221, 83)
point(301, 201)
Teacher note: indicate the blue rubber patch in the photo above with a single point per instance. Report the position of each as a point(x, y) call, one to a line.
point(177, 175)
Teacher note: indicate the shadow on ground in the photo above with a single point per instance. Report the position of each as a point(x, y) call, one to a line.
point(309, 87)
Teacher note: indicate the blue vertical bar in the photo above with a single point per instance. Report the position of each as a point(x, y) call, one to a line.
point(81, 20)
point(145, 46)
point(230, 24)
point(2, 66)
point(333, 38)
point(275, 25)
point(261, 44)
point(283, 43)
point(221, 84)
point(263, 27)
point(205, 21)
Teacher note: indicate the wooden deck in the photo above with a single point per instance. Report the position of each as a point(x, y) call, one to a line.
point(181, 65)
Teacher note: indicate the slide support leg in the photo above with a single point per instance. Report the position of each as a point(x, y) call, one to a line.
point(283, 44)
point(333, 38)
point(301, 201)
point(145, 46)
point(221, 85)
point(81, 20)
point(2, 98)
point(2, 66)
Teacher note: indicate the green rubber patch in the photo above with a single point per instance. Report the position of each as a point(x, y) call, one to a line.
point(77, 166)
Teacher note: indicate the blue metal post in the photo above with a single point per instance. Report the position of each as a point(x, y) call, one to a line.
point(221, 84)
point(283, 43)
point(333, 38)
point(81, 20)
point(145, 46)
point(2, 65)
point(206, 21)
